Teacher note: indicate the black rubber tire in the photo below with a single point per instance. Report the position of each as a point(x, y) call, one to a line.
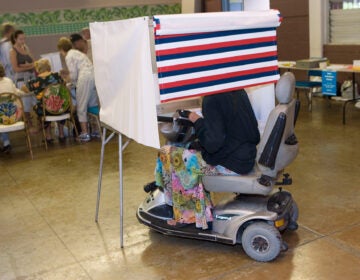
point(261, 242)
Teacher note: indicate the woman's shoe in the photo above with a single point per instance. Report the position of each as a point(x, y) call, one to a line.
point(150, 187)
point(49, 141)
point(84, 137)
point(62, 139)
point(6, 149)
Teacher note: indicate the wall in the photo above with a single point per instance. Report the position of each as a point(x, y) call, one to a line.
point(293, 33)
point(343, 54)
point(191, 6)
point(212, 5)
point(44, 22)
point(46, 5)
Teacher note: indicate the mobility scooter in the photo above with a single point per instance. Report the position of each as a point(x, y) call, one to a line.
point(257, 214)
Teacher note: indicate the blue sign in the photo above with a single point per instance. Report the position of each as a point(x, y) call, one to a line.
point(329, 82)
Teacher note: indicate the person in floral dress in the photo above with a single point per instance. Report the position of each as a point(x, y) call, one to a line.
point(227, 135)
point(37, 85)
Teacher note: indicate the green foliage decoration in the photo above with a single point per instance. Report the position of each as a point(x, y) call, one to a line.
point(69, 21)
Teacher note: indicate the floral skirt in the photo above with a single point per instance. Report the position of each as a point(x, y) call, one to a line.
point(179, 171)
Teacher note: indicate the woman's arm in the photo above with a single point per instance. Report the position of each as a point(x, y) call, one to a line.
point(15, 66)
point(29, 52)
point(193, 117)
point(71, 63)
point(210, 130)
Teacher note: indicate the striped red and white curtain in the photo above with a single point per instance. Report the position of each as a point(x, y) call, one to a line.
point(200, 54)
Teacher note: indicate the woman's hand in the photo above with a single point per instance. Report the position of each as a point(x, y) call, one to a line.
point(27, 66)
point(65, 75)
point(25, 89)
point(193, 117)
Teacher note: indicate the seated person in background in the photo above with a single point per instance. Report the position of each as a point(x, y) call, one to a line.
point(37, 85)
point(227, 138)
point(6, 85)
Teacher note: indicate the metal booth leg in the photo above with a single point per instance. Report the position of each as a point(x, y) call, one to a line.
point(121, 148)
point(103, 143)
point(121, 192)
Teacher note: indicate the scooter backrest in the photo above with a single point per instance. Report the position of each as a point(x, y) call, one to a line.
point(278, 146)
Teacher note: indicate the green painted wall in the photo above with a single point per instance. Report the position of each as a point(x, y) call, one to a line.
point(70, 21)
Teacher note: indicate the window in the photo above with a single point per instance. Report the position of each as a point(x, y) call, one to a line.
point(232, 5)
point(344, 19)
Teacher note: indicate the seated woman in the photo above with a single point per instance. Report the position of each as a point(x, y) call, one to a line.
point(227, 137)
point(37, 85)
point(7, 85)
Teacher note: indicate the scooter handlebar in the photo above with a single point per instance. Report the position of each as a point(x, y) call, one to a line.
point(183, 113)
point(181, 117)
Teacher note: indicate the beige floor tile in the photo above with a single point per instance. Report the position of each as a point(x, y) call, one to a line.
point(319, 260)
point(47, 227)
point(349, 238)
point(35, 249)
point(68, 272)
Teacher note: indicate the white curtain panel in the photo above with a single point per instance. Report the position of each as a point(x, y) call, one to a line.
point(124, 78)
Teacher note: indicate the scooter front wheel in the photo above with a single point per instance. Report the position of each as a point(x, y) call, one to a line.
point(261, 241)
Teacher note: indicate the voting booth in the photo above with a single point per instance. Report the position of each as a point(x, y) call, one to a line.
point(143, 62)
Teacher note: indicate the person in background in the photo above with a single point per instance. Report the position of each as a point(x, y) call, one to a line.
point(37, 85)
point(80, 44)
point(22, 62)
point(6, 85)
point(81, 74)
point(85, 33)
point(5, 47)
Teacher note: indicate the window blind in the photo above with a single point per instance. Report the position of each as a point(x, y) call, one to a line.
point(344, 26)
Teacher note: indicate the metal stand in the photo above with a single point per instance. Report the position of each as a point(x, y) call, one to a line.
point(121, 148)
point(353, 100)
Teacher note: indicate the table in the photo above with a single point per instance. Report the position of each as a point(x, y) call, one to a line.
point(343, 68)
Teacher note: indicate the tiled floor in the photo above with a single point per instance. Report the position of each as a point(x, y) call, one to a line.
point(47, 207)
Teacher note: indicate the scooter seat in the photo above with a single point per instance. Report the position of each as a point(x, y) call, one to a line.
point(245, 184)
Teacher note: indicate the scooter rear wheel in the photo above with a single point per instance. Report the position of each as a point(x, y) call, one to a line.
point(261, 241)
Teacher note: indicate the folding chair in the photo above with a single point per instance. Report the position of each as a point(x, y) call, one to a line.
point(12, 116)
point(309, 86)
point(57, 106)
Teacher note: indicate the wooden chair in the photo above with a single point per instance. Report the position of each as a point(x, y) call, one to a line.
point(309, 86)
point(12, 116)
point(57, 106)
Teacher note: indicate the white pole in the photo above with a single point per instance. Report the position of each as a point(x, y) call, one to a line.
point(121, 192)
point(317, 27)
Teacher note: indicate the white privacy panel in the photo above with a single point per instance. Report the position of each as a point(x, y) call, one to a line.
point(124, 78)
